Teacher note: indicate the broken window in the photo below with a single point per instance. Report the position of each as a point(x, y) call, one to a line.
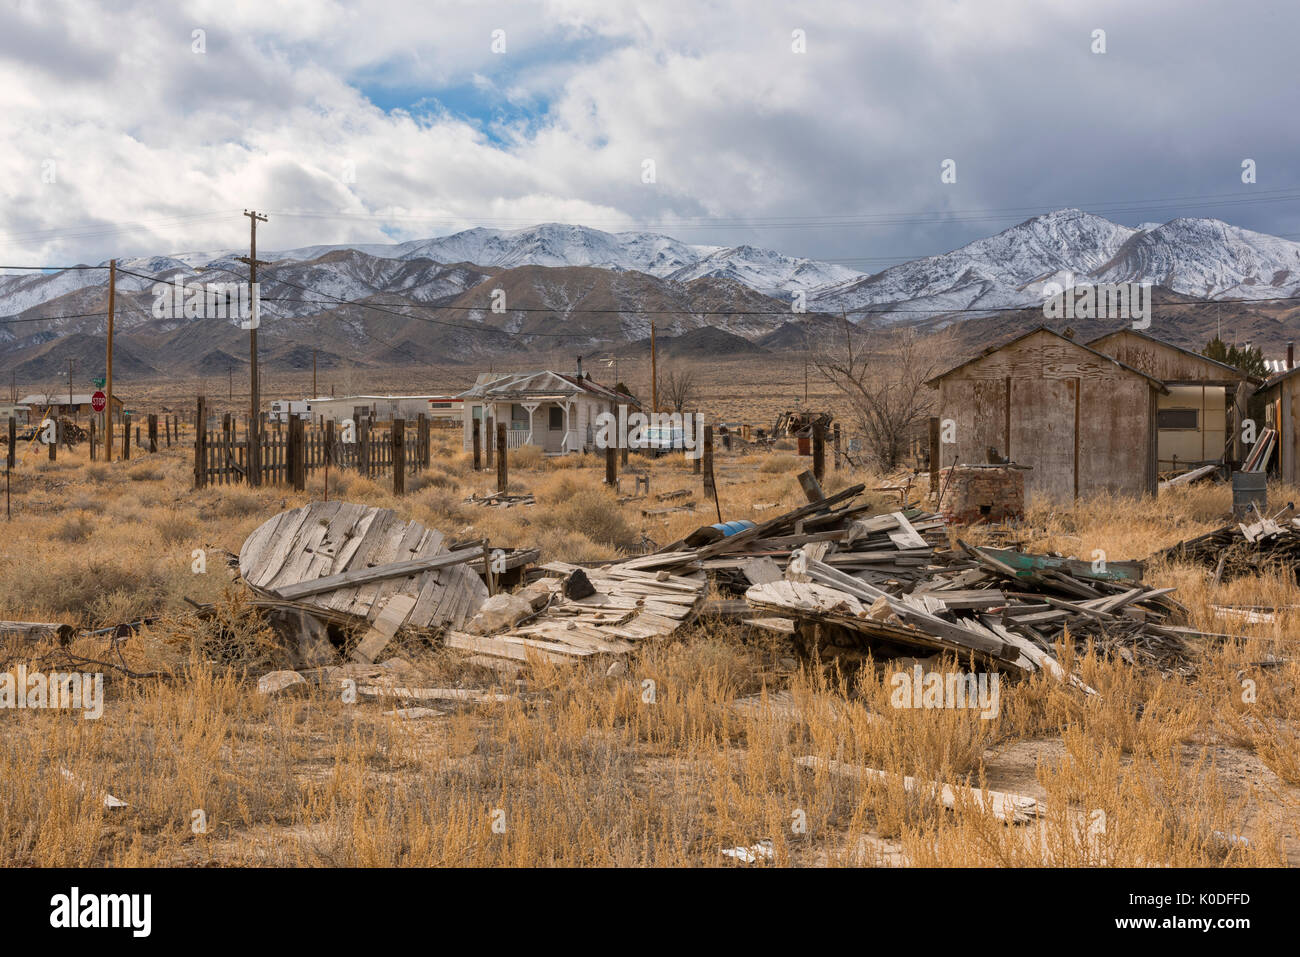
point(1178, 419)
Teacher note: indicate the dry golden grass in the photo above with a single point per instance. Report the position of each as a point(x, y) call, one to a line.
point(583, 769)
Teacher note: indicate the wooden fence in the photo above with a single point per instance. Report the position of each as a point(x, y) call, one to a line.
point(288, 452)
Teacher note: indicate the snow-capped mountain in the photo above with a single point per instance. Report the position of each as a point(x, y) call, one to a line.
point(1205, 258)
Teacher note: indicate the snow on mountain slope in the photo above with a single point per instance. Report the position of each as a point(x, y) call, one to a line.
point(1001, 271)
point(1198, 257)
point(1208, 258)
point(766, 271)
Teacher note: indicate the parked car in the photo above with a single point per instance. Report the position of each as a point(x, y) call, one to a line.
point(659, 440)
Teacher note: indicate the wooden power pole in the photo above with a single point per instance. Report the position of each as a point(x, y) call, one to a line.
point(654, 371)
point(108, 371)
point(255, 400)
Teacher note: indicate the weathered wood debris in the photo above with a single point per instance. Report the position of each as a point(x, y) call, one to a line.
point(626, 604)
point(1241, 549)
point(361, 567)
point(894, 585)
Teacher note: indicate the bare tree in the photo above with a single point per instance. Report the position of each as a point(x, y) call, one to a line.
point(882, 376)
point(678, 389)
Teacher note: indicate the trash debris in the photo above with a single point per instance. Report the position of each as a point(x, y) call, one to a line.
point(762, 851)
point(278, 682)
point(1244, 549)
point(501, 499)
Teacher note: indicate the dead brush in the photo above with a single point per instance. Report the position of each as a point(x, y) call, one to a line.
point(235, 635)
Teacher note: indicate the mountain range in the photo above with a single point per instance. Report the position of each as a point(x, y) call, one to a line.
point(576, 289)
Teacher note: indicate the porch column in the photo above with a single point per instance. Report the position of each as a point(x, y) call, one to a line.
point(531, 407)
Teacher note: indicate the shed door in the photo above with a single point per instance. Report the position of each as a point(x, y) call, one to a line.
point(1042, 435)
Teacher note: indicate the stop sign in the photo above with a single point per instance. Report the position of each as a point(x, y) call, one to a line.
point(99, 402)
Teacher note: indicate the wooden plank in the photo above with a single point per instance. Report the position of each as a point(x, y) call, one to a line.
point(378, 573)
point(381, 632)
point(1005, 806)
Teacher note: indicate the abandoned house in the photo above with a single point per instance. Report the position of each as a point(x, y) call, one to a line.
point(553, 410)
point(61, 403)
point(1083, 421)
point(1197, 419)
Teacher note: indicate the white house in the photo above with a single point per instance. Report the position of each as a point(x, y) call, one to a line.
point(385, 408)
point(553, 410)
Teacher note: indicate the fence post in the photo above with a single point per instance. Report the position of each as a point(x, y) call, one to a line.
point(819, 450)
point(478, 442)
point(13, 443)
point(706, 465)
point(503, 475)
point(423, 439)
point(363, 445)
point(936, 456)
point(92, 438)
point(836, 444)
point(200, 444)
point(489, 436)
point(399, 456)
point(153, 431)
point(126, 437)
point(329, 443)
point(611, 466)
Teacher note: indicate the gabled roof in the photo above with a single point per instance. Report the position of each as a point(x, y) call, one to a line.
point(1156, 383)
point(542, 383)
point(1233, 370)
point(1274, 380)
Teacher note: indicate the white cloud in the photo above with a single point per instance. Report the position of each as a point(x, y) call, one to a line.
point(274, 116)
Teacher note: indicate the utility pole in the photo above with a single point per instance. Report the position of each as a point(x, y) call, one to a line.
point(108, 372)
point(255, 399)
point(654, 371)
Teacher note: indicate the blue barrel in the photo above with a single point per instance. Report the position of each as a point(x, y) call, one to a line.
point(731, 528)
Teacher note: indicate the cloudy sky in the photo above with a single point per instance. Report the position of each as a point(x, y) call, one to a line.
point(138, 128)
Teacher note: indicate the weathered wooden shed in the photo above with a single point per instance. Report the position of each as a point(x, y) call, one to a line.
point(1281, 404)
point(1196, 422)
point(1084, 421)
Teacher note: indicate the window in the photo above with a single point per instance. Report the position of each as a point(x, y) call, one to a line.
point(520, 420)
point(557, 419)
point(1178, 419)
point(478, 413)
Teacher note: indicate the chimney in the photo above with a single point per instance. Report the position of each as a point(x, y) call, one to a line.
point(579, 367)
point(1290, 355)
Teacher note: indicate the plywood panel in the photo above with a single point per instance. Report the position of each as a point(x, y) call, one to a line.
point(1042, 435)
point(1162, 361)
point(978, 408)
point(1114, 430)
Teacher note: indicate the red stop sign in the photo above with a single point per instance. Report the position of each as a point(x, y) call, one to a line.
point(99, 402)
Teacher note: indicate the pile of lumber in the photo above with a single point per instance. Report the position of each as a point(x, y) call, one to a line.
point(883, 548)
point(1241, 549)
point(627, 605)
point(995, 607)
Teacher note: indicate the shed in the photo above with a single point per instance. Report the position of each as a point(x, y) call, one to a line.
point(1197, 420)
point(1281, 403)
point(1083, 421)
